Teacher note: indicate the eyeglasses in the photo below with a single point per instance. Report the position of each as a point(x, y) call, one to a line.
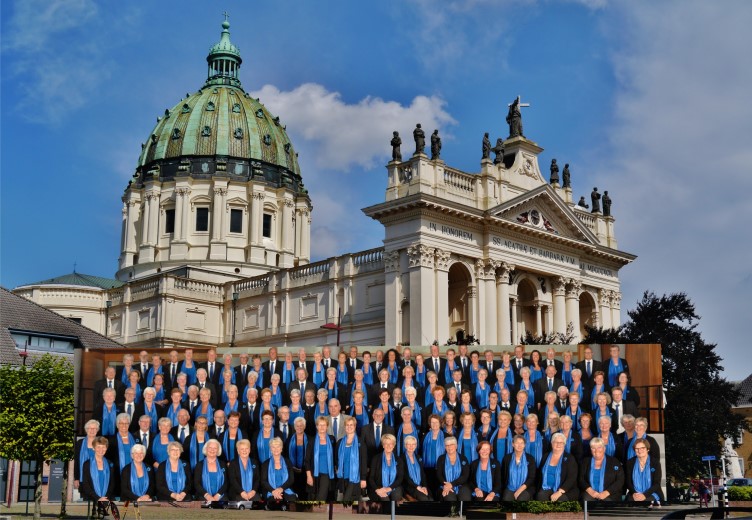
point(641, 448)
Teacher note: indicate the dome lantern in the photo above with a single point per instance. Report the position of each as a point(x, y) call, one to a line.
point(224, 60)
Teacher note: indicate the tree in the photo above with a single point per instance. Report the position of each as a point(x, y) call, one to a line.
point(550, 338)
point(699, 401)
point(36, 414)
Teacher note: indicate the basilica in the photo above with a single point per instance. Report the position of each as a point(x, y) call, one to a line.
point(216, 230)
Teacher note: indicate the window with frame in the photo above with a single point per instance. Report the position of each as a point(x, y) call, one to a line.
point(169, 221)
point(202, 219)
point(236, 221)
point(267, 226)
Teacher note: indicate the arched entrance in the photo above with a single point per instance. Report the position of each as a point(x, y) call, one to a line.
point(527, 300)
point(588, 313)
point(459, 284)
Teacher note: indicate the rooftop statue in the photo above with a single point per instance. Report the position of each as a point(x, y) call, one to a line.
point(435, 145)
point(581, 203)
point(606, 204)
point(420, 139)
point(396, 142)
point(486, 146)
point(499, 151)
point(566, 177)
point(514, 118)
point(554, 172)
point(595, 199)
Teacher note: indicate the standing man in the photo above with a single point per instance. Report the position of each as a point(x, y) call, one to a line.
point(437, 364)
point(589, 367)
point(172, 370)
point(213, 369)
point(272, 366)
point(241, 371)
point(353, 360)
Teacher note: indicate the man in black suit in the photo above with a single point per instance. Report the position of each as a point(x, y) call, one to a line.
point(589, 367)
point(129, 407)
point(213, 370)
point(241, 371)
point(301, 383)
point(518, 361)
point(143, 366)
point(203, 382)
point(457, 382)
point(219, 426)
point(490, 365)
point(406, 360)
point(613, 379)
point(562, 399)
point(549, 383)
point(619, 408)
point(144, 436)
point(437, 364)
point(551, 360)
point(303, 362)
point(109, 381)
point(171, 371)
point(506, 401)
point(372, 433)
point(272, 366)
point(326, 357)
point(378, 363)
point(352, 360)
point(463, 361)
point(182, 429)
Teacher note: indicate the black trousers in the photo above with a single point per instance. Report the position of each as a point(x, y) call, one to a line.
point(463, 495)
point(323, 488)
point(394, 496)
point(508, 496)
point(351, 491)
point(544, 495)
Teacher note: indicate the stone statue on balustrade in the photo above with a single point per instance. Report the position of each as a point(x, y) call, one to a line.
point(566, 177)
point(486, 147)
point(396, 143)
point(420, 139)
point(554, 172)
point(499, 151)
point(435, 145)
point(595, 199)
point(606, 204)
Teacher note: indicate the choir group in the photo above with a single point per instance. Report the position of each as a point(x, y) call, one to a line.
point(459, 427)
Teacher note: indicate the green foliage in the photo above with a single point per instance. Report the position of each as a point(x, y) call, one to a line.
point(699, 401)
point(36, 410)
point(536, 507)
point(551, 338)
point(740, 493)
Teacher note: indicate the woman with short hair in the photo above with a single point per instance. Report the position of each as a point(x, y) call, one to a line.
point(276, 475)
point(558, 481)
point(173, 478)
point(320, 463)
point(518, 470)
point(137, 478)
point(408, 427)
point(193, 445)
point(501, 441)
point(351, 463)
point(161, 441)
point(297, 445)
point(534, 444)
point(415, 481)
point(614, 447)
point(97, 482)
point(601, 476)
point(209, 475)
point(386, 472)
point(243, 474)
point(467, 439)
point(452, 472)
point(485, 475)
point(644, 476)
point(262, 438)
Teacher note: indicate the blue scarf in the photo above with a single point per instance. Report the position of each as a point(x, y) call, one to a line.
point(196, 451)
point(363, 389)
point(294, 414)
point(176, 479)
point(159, 450)
point(547, 469)
point(428, 398)
point(501, 445)
point(393, 373)
point(400, 440)
point(413, 468)
point(108, 420)
point(100, 479)
point(474, 374)
point(150, 376)
point(566, 375)
point(597, 413)
point(209, 413)
point(172, 413)
point(228, 445)
point(417, 415)
point(498, 387)
point(517, 472)
point(596, 390)
point(189, 371)
point(575, 418)
point(579, 390)
point(246, 475)
point(297, 454)
point(420, 375)
point(342, 375)
point(351, 471)
point(260, 378)
point(388, 472)
point(361, 419)
point(568, 445)
point(485, 436)
point(388, 414)
point(124, 454)
point(448, 371)
point(508, 375)
point(212, 485)
point(137, 398)
point(153, 414)
point(333, 391)
point(535, 373)
point(630, 450)
point(276, 398)
point(278, 477)
point(642, 480)
point(262, 446)
point(481, 395)
point(483, 478)
point(159, 394)
point(124, 376)
point(328, 448)
point(233, 408)
point(288, 373)
point(440, 412)
point(597, 475)
point(530, 392)
point(614, 371)
point(534, 448)
point(453, 471)
point(461, 441)
point(610, 446)
point(432, 449)
point(139, 486)
point(318, 375)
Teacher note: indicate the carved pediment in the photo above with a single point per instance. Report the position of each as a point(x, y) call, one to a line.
point(543, 210)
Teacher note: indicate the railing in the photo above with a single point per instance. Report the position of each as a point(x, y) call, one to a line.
point(252, 283)
point(307, 270)
point(588, 220)
point(370, 256)
point(145, 289)
point(460, 181)
point(115, 296)
point(187, 284)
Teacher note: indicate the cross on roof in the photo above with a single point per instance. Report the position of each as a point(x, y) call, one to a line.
point(226, 15)
point(519, 102)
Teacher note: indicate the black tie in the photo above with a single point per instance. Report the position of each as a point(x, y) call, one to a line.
point(490, 370)
point(436, 365)
point(284, 432)
point(550, 384)
point(109, 384)
point(144, 440)
point(334, 428)
point(464, 363)
point(211, 370)
point(588, 368)
point(219, 431)
point(172, 372)
point(519, 364)
point(182, 433)
point(459, 390)
point(129, 410)
point(272, 367)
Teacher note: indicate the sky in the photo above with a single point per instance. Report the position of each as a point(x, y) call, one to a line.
point(648, 100)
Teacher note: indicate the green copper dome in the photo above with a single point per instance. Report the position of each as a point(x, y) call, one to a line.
point(220, 130)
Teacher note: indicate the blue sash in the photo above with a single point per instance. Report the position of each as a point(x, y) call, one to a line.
point(432, 449)
point(153, 414)
point(393, 373)
point(108, 420)
point(124, 376)
point(614, 371)
point(388, 472)
point(597, 475)
point(139, 485)
point(535, 373)
point(124, 454)
point(278, 477)
point(294, 414)
point(176, 479)
point(468, 449)
point(150, 376)
point(189, 371)
point(413, 469)
point(100, 478)
point(642, 480)
point(453, 471)
point(233, 408)
point(297, 453)
point(483, 478)
point(481, 396)
point(172, 413)
point(262, 446)
point(630, 450)
point(197, 450)
point(228, 445)
point(276, 401)
point(350, 471)
point(534, 448)
point(318, 375)
point(420, 375)
point(213, 481)
point(246, 475)
point(342, 375)
point(517, 473)
point(159, 450)
point(566, 375)
point(328, 448)
point(288, 374)
point(547, 470)
point(474, 374)
point(501, 445)
point(401, 440)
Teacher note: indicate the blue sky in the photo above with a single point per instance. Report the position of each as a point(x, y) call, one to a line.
point(649, 100)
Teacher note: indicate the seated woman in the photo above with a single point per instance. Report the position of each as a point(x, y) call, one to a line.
point(137, 478)
point(407, 427)
point(174, 476)
point(352, 469)
point(518, 470)
point(415, 482)
point(209, 475)
point(386, 472)
point(97, 482)
point(320, 463)
point(452, 472)
point(558, 473)
point(601, 476)
point(84, 450)
point(644, 476)
point(485, 475)
point(243, 474)
point(277, 476)
point(433, 447)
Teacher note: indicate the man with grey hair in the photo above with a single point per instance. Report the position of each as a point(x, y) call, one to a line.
point(336, 419)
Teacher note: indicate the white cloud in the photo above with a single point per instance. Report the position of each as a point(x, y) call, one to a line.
point(341, 134)
point(679, 170)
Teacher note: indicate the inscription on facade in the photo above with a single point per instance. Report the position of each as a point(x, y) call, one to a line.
point(519, 247)
point(597, 270)
point(450, 231)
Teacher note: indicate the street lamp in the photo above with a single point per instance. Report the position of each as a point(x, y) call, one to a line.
point(107, 306)
point(332, 326)
point(235, 296)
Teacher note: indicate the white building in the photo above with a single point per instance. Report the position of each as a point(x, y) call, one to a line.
point(215, 244)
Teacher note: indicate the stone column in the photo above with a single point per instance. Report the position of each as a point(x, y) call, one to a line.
point(573, 307)
point(472, 322)
point(218, 245)
point(504, 334)
point(560, 310)
point(305, 237)
point(615, 309)
point(123, 261)
point(255, 223)
point(515, 325)
point(392, 325)
point(538, 319)
point(153, 237)
point(442, 294)
point(604, 297)
point(288, 230)
point(132, 202)
point(422, 300)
